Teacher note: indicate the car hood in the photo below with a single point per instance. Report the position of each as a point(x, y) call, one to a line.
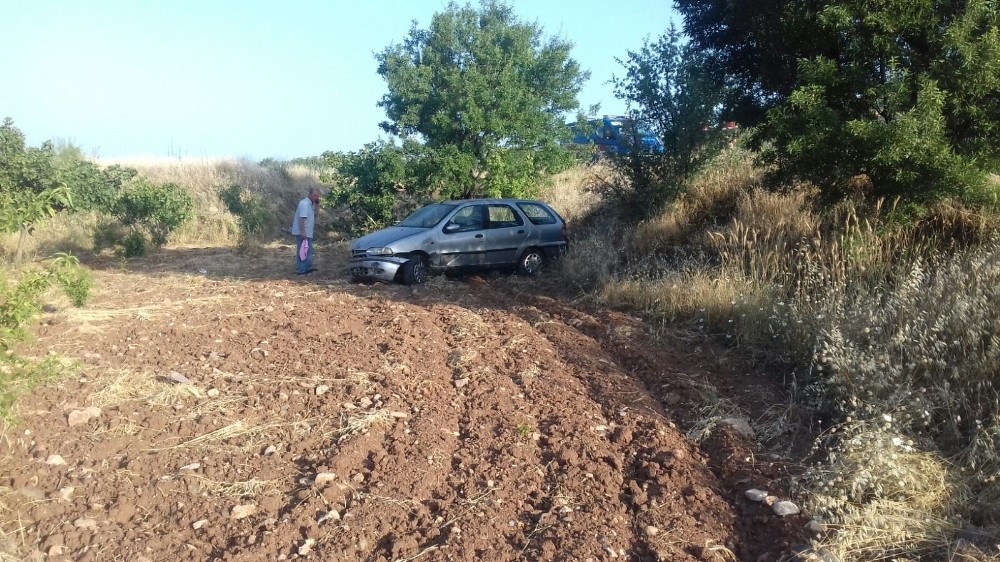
point(384, 237)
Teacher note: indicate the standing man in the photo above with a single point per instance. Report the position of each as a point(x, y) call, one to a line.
point(302, 228)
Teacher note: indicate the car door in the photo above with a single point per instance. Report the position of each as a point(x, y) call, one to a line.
point(462, 242)
point(506, 234)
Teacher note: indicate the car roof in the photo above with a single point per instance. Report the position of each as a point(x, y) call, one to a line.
point(483, 200)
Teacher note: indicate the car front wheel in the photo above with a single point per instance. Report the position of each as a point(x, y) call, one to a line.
point(415, 271)
point(531, 262)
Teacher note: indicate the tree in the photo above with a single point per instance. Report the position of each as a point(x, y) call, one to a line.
point(911, 100)
point(486, 95)
point(368, 182)
point(905, 92)
point(756, 46)
point(29, 190)
point(670, 94)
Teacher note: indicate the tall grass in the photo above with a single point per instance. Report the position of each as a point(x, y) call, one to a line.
point(212, 224)
point(281, 188)
point(883, 322)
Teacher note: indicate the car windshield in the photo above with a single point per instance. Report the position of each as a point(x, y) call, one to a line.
point(428, 216)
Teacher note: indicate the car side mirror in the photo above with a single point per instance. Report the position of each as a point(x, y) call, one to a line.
point(450, 228)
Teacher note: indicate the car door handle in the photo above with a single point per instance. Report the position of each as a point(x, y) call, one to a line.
point(479, 236)
point(520, 231)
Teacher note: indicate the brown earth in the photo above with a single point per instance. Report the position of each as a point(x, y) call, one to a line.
point(473, 419)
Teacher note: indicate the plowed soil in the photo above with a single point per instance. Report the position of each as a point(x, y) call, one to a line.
point(247, 415)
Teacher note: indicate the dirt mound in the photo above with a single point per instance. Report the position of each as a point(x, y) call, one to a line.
point(271, 420)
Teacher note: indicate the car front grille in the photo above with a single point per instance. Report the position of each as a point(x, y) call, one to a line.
point(358, 253)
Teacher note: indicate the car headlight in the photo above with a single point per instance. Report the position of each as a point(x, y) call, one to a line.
point(380, 251)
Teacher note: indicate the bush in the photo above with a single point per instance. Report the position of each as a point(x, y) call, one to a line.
point(149, 213)
point(20, 299)
point(250, 210)
point(367, 182)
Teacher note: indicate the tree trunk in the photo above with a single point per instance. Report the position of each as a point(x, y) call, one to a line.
point(19, 252)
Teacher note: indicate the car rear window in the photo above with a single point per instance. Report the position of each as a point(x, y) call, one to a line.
point(537, 214)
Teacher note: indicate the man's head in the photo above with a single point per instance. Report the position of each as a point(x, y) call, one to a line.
point(314, 195)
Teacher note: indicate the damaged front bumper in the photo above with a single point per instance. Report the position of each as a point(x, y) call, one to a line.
point(380, 268)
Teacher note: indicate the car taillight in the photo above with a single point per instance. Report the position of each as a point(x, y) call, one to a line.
point(565, 231)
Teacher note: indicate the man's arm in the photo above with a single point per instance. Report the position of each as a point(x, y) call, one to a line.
point(302, 226)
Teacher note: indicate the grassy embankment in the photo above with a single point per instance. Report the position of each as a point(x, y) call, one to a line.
point(211, 223)
point(885, 326)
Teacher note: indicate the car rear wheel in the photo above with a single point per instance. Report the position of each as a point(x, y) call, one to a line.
point(531, 262)
point(415, 271)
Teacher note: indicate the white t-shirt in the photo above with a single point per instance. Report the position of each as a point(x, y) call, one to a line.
point(305, 209)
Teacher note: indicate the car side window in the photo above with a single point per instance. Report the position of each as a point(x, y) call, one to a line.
point(502, 216)
point(467, 219)
point(537, 214)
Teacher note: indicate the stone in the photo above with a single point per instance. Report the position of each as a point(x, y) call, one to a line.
point(399, 415)
point(178, 378)
point(739, 425)
point(784, 508)
point(652, 531)
point(66, 493)
point(192, 466)
point(322, 389)
point(213, 392)
point(755, 495)
point(671, 398)
point(270, 450)
point(332, 515)
point(55, 460)
point(199, 523)
point(243, 511)
point(324, 478)
point(80, 417)
point(306, 547)
point(459, 383)
point(85, 523)
point(815, 526)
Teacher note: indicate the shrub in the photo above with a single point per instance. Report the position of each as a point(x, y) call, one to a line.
point(250, 210)
point(20, 298)
point(149, 213)
point(367, 182)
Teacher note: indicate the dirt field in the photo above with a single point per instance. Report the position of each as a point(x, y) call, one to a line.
point(224, 411)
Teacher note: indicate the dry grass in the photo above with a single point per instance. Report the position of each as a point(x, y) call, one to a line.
point(129, 386)
point(252, 488)
point(244, 437)
point(570, 192)
point(710, 200)
point(211, 224)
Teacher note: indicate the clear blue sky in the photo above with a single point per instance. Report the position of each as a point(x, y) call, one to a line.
point(251, 78)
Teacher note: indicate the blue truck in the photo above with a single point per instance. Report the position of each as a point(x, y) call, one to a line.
point(613, 135)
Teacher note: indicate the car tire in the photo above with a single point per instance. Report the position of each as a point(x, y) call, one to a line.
point(531, 262)
point(416, 271)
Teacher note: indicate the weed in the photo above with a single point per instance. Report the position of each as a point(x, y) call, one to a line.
point(524, 430)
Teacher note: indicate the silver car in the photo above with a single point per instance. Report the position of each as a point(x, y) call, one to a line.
point(471, 233)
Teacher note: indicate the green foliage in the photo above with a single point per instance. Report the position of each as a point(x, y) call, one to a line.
point(20, 300)
point(367, 181)
point(29, 187)
point(904, 92)
point(92, 188)
point(757, 47)
point(145, 214)
point(485, 94)
point(250, 210)
point(670, 94)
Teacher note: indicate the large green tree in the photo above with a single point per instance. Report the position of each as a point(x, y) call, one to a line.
point(906, 92)
point(486, 95)
point(756, 46)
